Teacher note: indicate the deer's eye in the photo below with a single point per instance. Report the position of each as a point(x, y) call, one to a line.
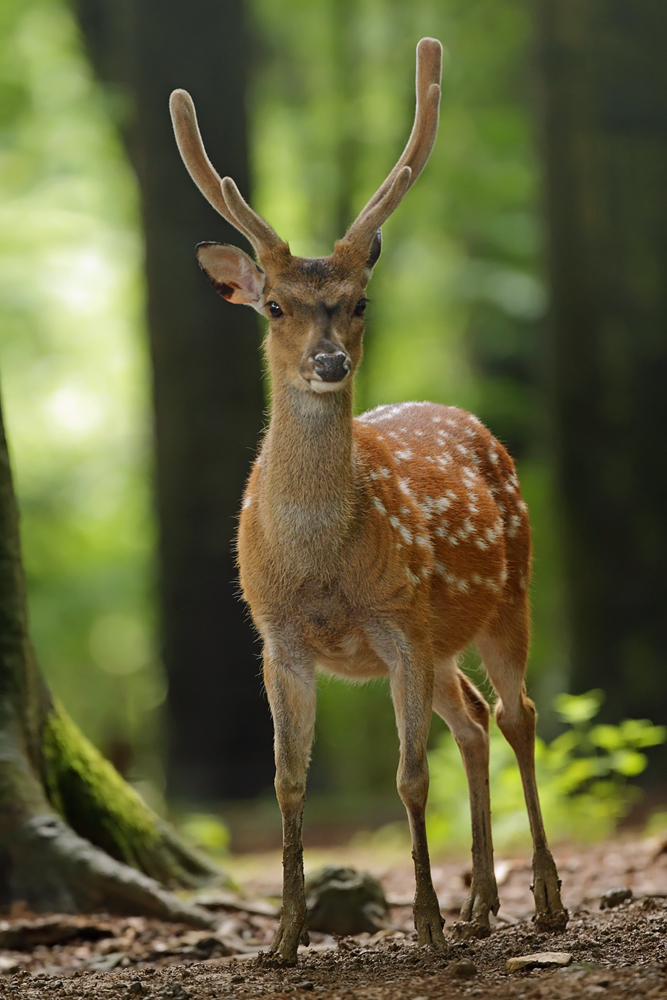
point(360, 307)
point(274, 309)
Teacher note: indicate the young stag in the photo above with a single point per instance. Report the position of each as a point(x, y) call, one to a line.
point(375, 546)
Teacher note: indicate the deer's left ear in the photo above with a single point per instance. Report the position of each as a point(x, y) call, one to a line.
point(233, 274)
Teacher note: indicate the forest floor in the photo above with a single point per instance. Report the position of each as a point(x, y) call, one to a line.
point(616, 951)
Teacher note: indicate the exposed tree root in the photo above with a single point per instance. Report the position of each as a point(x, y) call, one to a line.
point(47, 866)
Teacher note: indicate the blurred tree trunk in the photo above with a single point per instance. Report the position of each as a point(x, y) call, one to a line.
point(73, 835)
point(206, 380)
point(603, 75)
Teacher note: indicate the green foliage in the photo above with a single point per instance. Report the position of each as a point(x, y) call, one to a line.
point(584, 777)
point(206, 831)
point(74, 377)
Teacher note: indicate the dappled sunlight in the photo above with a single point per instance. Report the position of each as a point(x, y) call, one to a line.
point(74, 411)
point(83, 281)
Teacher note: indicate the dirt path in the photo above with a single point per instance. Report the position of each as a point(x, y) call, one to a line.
point(620, 951)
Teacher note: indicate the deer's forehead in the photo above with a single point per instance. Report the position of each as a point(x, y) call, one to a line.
point(311, 282)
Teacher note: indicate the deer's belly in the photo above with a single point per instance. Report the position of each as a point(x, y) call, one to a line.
point(351, 657)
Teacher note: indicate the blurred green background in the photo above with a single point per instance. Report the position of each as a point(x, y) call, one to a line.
point(75, 381)
point(458, 315)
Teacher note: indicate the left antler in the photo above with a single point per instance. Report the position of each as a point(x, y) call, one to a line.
point(223, 193)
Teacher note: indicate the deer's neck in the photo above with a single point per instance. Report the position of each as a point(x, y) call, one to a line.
point(307, 471)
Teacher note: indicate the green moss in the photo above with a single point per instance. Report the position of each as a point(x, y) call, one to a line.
point(92, 797)
point(99, 805)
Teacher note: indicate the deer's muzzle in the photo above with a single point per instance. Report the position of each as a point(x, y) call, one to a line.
point(332, 367)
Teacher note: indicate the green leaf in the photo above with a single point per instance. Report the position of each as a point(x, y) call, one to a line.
point(578, 708)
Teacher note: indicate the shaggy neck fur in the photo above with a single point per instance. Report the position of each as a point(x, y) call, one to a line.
point(307, 473)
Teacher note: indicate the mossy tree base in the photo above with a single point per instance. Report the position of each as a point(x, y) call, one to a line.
point(74, 837)
point(87, 791)
point(46, 865)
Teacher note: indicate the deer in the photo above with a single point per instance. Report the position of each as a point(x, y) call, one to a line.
point(381, 545)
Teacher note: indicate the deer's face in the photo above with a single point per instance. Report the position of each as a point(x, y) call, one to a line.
point(316, 324)
point(315, 308)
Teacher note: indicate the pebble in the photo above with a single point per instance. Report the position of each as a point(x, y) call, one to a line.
point(463, 969)
point(614, 897)
point(539, 960)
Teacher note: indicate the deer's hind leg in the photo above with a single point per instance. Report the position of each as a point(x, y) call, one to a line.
point(411, 681)
point(460, 704)
point(504, 649)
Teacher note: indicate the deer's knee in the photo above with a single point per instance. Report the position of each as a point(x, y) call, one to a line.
point(412, 784)
point(516, 720)
point(290, 792)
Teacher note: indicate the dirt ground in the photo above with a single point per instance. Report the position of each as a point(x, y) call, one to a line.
point(618, 951)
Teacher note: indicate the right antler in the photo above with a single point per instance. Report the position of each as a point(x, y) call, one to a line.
point(223, 194)
point(416, 152)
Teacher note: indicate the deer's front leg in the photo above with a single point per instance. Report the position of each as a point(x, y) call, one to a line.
point(292, 696)
point(411, 680)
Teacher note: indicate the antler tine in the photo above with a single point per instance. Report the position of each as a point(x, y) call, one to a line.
point(205, 176)
point(418, 148)
point(261, 233)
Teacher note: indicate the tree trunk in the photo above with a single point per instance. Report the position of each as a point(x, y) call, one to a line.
point(73, 835)
point(206, 380)
point(603, 77)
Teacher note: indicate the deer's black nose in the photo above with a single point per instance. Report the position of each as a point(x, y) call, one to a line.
point(332, 367)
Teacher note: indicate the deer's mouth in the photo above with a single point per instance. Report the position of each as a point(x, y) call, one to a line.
point(318, 384)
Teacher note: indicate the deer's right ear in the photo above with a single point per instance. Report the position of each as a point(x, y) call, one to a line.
point(233, 274)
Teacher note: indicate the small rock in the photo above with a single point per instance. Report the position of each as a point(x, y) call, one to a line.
point(236, 979)
point(8, 964)
point(174, 991)
point(305, 985)
point(344, 901)
point(540, 960)
point(463, 969)
point(614, 897)
point(207, 945)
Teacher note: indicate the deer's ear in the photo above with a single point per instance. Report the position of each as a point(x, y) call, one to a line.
point(233, 274)
point(375, 251)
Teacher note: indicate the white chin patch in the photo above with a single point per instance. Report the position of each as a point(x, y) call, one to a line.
point(318, 386)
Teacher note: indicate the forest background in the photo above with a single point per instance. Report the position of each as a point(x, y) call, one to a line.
point(117, 533)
